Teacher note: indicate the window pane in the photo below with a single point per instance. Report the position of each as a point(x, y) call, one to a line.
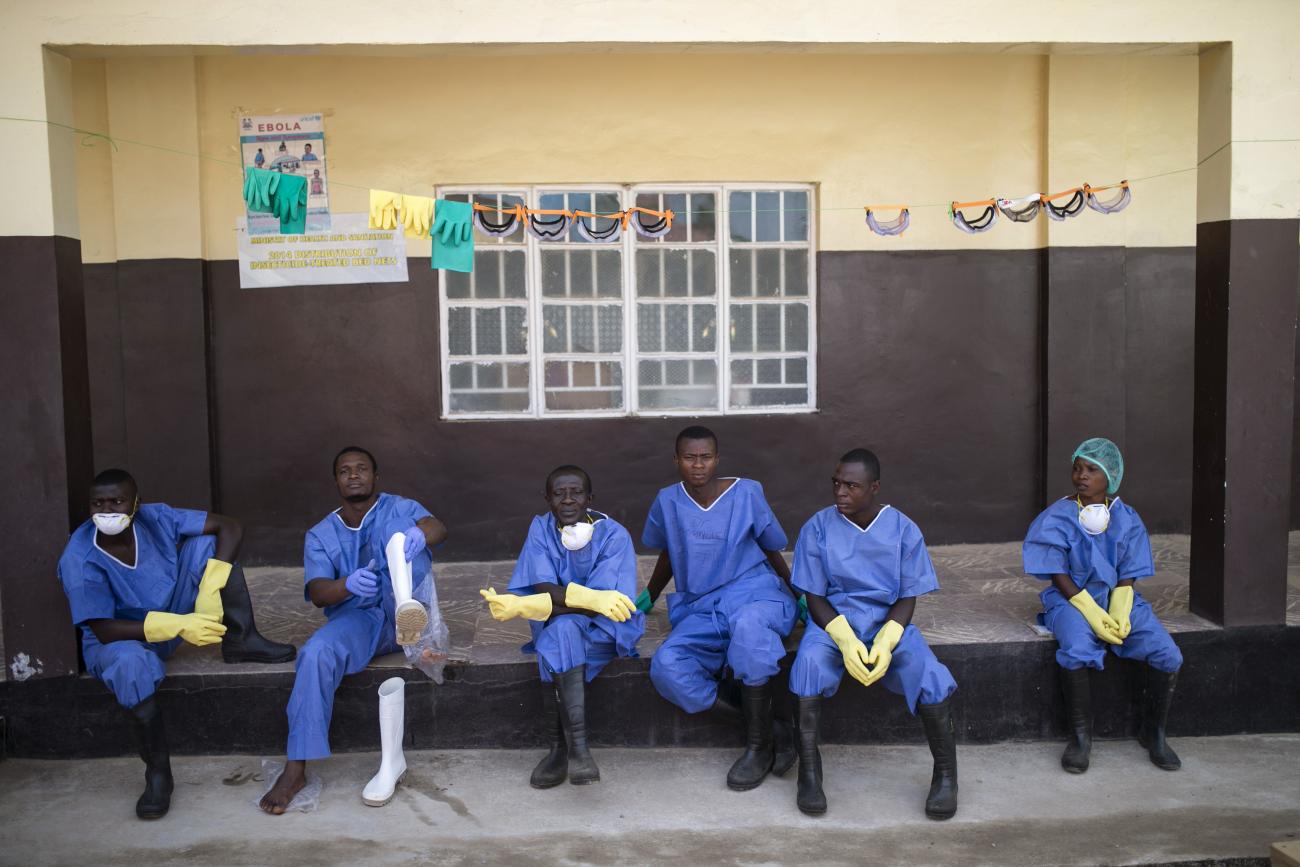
point(796, 216)
point(515, 283)
point(768, 272)
point(581, 284)
point(767, 216)
point(677, 328)
point(742, 273)
point(554, 273)
point(796, 370)
point(609, 328)
point(765, 389)
point(674, 269)
point(459, 336)
point(742, 328)
point(740, 217)
point(457, 283)
point(767, 327)
point(672, 384)
point(609, 273)
point(517, 238)
point(648, 274)
point(694, 216)
point(582, 330)
point(704, 328)
point(487, 274)
point(796, 272)
point(649, 321)
point(704, 273)
point(796, 327)
point(555, 328)
point(516, 331)
point(704, 217)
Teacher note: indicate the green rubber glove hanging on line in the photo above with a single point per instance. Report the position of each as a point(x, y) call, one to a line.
point(259, 188)
point(290, 204)
point(453, 237)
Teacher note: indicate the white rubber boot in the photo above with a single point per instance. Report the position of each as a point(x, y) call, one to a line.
point(410, 615)
point(392, 765)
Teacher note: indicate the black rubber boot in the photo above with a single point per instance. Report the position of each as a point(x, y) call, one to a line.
point(242, 642)
point(755, 763)
point(941, 803)
point(726, 703)
point(1078, 718)
point(783, 744)
point(811, 799)
point(572, 688)
point(554, 767)
point(1155, 710)
point(151, 737)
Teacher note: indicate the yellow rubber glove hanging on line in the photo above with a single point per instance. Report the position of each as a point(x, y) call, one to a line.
point(383, 209)
point(417, 216)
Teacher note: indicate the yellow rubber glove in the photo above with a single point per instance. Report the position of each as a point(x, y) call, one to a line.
point(1121, 606)
point(882, 649)
point(506, 606)
point(197, 629)
point(851, 647)
point(610, 603)
point(208, 602)
point(383, 209)
point(417, 215)
point(1102, 623)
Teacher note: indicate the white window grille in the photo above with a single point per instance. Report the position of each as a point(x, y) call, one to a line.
point(572, 328)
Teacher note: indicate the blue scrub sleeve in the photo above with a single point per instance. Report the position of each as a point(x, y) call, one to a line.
point(178, 523)
point(316, 564)
point(1046, 551)
point(534, 565)
point(1135, 560)
point(655, 535)
point(916, 573)
point(89, 595)
point(766, 528)
point(615, 567)
point(809, 572)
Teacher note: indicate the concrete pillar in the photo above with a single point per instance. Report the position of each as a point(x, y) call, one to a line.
point(1246, 273)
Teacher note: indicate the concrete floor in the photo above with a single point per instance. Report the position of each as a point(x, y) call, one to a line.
point(1234, 797)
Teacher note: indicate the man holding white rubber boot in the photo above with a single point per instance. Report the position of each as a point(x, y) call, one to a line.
point(369, 612)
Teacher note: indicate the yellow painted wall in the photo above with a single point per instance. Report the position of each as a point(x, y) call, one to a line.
point(866, 128)
point(1262, 178)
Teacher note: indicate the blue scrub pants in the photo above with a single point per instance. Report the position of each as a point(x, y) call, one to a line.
point(741, 625)
point(569, 640)
point(133, 669)
point(344, 645)
point(914, 672)
point(1080, 647)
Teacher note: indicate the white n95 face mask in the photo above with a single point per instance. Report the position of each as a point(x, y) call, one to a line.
point(1094, 519)
point(111, 523)
point(575, 537)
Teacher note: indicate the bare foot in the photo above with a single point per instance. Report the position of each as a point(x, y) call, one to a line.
point(291, 781)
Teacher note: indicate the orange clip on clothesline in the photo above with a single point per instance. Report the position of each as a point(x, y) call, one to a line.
point(622, 216)
point(884, 207)
point(1070, 192)
point(1088, 188)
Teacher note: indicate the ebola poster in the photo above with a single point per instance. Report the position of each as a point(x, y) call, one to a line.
point(349, 252)
point(295, 145)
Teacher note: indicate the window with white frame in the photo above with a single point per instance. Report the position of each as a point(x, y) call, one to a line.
point(716, 317)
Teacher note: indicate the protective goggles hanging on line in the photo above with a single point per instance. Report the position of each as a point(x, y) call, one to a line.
point(1118, 203)
point(552, 229)
point(1072, 207)
point(1021, 210)
point(660, 226)
point(585, 221)
point(514, 218)
point(982, 223)
point(896, 226)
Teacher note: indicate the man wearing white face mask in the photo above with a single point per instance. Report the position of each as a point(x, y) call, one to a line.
point(573, 582)
point(1092, 547)
point(142, 578)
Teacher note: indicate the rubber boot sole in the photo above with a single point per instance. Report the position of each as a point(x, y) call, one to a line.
point(411, 620)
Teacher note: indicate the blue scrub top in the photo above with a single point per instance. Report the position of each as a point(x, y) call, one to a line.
point(335, 550)
point(608, 562)
point(711, 547)
point(101, 587)
point(863, 572)
point(1057, 545)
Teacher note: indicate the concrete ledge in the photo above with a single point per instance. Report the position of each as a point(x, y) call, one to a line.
point(1233, 681)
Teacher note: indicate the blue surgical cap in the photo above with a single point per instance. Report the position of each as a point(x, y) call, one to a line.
point(1105, 454)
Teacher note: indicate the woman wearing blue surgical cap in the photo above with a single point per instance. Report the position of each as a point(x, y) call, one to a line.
point(1092, 548)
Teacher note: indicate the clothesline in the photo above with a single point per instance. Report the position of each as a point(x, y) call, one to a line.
point(89, 138)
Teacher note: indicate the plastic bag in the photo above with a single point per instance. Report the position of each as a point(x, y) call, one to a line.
point(429, 654)
point(308, 797)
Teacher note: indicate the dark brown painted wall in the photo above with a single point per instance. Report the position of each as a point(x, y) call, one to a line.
point(931, 358)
